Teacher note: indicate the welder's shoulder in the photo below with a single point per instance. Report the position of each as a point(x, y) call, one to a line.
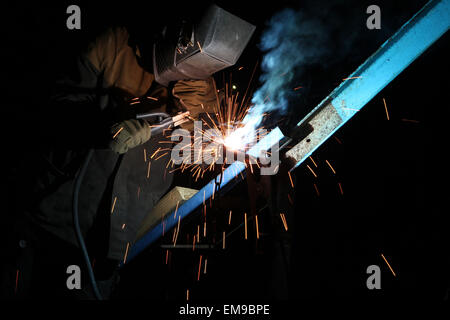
point(104, 49)
point(113, 57)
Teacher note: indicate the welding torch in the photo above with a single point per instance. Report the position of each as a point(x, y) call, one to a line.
point(162, 121)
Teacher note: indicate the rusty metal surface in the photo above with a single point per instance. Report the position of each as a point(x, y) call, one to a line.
point(324, 120)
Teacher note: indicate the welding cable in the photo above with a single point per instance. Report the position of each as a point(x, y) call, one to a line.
point(76, 222)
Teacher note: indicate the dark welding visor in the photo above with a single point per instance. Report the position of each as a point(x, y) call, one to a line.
point(198, 50)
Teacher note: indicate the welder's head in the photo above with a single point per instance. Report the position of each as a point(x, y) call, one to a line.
point(197, 48)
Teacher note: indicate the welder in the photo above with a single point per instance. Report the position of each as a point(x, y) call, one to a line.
point(117, 76)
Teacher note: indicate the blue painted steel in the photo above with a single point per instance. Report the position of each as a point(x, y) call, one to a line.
point(397, 53)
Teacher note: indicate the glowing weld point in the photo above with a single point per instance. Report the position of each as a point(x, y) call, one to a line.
point(233, 142)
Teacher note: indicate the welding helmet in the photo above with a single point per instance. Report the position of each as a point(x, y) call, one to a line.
point(197, 49)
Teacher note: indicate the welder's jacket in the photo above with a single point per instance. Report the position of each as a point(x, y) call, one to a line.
point(118, 190)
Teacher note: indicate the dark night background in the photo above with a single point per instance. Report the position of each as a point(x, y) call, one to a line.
point(391, 171)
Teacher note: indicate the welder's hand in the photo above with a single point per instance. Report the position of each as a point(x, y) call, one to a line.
point(193, 93)
point(129, 134)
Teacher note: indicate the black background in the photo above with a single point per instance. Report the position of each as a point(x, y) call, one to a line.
point(392, 171)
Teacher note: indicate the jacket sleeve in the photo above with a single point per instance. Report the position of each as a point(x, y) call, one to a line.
point(77, 115)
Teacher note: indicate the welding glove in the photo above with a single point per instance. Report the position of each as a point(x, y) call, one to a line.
point(129, 134)
point(192, 94)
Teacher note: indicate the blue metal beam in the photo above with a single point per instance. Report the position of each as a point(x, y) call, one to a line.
point(397, 53)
